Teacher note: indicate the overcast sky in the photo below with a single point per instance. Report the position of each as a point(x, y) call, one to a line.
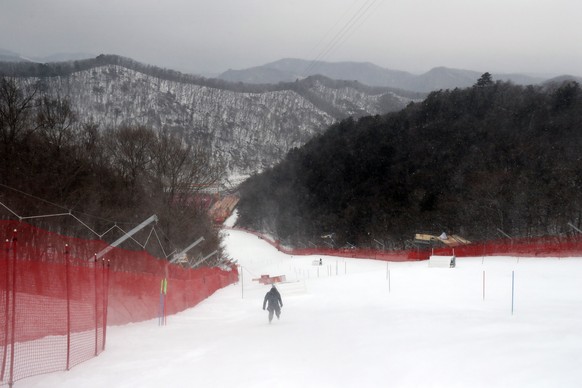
point(211, 36)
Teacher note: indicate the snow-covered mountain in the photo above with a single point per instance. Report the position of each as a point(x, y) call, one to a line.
point(253, 127)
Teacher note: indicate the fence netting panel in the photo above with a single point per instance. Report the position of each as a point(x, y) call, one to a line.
point(57, 297)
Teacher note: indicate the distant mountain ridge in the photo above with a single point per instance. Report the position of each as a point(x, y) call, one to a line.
point(10, 56)
point(290, 69)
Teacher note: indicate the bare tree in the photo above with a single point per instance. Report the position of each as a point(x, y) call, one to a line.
point(130, 150)
point(181, 170)
point(15, 108)
point(184, 168)
point(56, 122)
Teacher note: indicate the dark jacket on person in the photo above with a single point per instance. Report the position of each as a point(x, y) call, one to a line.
point(274, 299)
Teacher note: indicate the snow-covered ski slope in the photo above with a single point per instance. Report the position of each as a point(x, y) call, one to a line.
point(357, 323)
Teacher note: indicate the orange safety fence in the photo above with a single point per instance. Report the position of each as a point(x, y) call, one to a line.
point(554, 246)
point(56, 298)
point(566, 246)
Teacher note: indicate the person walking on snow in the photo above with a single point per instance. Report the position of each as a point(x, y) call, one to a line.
point(275, 303)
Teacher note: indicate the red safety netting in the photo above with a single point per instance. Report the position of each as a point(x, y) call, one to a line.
point(56, 298)
point(566, 246)
point(570, 246)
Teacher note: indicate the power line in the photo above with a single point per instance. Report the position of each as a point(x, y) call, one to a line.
point(33, 196)
point(340, 37)
point(347, 31)
point(100, 235)
point(324, 37)
point(155, 231)
point(70, 214)
point(56, 205)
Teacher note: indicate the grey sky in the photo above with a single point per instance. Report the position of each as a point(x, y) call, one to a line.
point(527, 36)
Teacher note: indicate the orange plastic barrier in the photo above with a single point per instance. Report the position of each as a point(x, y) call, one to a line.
point(567, 246)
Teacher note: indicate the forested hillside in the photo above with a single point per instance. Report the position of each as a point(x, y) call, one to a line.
point(250, 126)
point(54, 162)
point(493, 157)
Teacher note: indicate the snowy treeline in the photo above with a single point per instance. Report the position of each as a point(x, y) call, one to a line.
point(252, 128)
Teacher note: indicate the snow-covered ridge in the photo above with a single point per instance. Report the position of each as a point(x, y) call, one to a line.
point(252, 130)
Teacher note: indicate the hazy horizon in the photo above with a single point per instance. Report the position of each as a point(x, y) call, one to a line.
point(535, 37)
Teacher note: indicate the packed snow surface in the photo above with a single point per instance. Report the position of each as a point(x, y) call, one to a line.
point(357, 323)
